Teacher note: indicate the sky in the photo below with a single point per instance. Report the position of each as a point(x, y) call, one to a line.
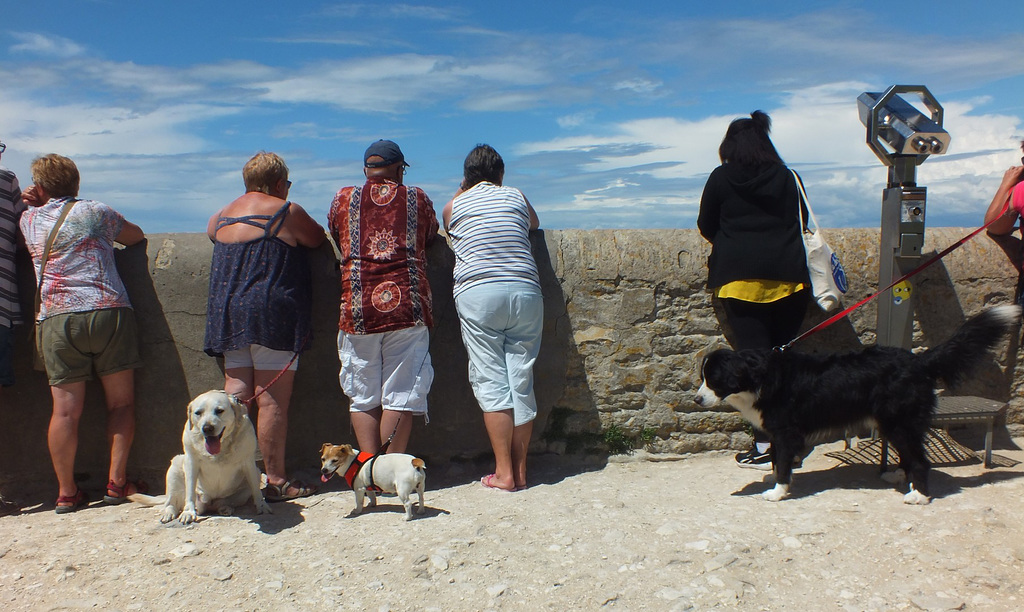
point(608, 115)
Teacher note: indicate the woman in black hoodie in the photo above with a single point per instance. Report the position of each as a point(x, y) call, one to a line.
point(757, 267)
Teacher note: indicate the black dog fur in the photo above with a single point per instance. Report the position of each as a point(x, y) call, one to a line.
point(795, 395)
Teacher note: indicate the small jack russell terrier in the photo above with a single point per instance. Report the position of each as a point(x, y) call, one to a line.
point(369, 474)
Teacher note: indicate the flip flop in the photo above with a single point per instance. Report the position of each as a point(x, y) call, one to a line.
point(69, 503)
point(279, 493)
point(488, 481)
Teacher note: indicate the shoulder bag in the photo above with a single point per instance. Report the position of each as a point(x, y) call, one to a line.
point(828, 278)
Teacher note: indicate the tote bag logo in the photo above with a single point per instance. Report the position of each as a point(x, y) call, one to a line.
point(838, 274)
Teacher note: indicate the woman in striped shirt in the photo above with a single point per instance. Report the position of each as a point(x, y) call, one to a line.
point(501, 310)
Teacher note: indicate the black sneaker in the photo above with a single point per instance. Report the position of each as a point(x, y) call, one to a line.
point(755, 460)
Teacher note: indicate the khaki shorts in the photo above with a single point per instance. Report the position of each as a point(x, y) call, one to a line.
point(76, 343)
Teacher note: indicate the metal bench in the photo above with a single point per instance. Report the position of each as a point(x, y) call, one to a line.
point(962, 410)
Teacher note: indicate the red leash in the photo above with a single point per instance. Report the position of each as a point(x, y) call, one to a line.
point(295, 356)
point(836, 317)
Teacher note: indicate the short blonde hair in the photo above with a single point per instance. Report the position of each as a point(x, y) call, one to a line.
point(263, 171)
point(56, 174)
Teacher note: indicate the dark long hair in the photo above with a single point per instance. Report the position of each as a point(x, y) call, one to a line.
point(482, 164)
point(747, 143)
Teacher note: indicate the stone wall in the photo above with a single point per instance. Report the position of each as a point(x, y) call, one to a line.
point(626, 314)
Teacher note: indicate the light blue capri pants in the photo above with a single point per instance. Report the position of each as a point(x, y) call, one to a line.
point(501, 327)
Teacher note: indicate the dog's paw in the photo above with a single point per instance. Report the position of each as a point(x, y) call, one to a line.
point(187, 517)
point(916, 498)
point(169, 514)
point(778, 493)
point(897, 476)
point(262, 507)
point(225, 510)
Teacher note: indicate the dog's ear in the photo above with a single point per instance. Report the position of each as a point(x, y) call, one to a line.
point(188, 414)
point(346, 449)
point(701, 355)
point(756, 366)
point(323, 449)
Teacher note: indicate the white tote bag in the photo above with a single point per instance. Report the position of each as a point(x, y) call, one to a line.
point(828, 278)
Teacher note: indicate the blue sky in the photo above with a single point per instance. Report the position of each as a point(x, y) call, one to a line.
point(608, 114)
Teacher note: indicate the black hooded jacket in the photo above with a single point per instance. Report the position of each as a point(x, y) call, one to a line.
point(750, 217)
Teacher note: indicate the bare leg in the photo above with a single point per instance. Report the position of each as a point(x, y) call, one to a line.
point(500, 429)
point(401, 424)
point(239, 382)
point(272, 428)
point(119, 389)
point(520, 445)
point(367, 426)
point(62, 435)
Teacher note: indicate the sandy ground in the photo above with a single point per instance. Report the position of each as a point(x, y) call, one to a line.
point(635, 532)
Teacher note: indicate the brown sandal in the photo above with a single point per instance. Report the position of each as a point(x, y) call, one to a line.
point(279, 493)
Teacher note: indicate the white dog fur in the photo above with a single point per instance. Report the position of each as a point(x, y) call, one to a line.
point(218, 469)
point(394, 473)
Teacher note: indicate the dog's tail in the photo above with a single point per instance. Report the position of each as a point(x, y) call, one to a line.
point(148, 500)
point(954, 359)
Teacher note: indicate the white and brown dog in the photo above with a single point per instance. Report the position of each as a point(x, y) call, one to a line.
point(369, 474)
point(218, 469)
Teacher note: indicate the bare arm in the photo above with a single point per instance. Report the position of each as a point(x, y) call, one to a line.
point(446, 213)
point(1005, 216)
point(211, 226)
point(307, 232)
point(534, 221)
point(130, 234)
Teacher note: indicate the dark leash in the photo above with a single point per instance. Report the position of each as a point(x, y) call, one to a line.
point(361, 460)
point(918, 269)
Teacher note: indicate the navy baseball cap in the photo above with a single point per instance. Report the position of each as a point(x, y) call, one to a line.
point(387, 150)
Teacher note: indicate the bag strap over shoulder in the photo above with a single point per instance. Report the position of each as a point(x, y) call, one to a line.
point(46, 250)
point(802, 193)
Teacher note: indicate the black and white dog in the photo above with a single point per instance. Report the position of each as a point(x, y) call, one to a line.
point(791, 396)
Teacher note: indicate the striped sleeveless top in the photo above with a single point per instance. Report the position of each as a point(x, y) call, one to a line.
point(489, 230)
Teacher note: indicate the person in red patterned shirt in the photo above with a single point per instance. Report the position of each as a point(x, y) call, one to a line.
point(382, 230)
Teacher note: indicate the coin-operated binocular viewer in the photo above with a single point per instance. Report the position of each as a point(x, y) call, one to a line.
point(902, 137)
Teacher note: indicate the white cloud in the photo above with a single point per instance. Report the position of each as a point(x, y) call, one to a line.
point(45, 45)
point(640, 86)
point(817, 130)
point(575, 119)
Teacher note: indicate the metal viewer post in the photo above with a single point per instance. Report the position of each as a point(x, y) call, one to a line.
point(902, 137)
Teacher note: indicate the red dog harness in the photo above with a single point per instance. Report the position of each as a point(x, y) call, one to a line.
point(362, 459)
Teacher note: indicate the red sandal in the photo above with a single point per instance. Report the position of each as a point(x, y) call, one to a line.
point(118, 494)
point(69, 503)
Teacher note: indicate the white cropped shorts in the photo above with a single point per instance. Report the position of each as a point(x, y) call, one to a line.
point(259, 357)
point(387, 369)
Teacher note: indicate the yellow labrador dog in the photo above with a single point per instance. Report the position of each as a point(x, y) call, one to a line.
point(218, 469)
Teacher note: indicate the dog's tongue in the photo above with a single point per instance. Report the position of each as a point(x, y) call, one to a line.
point(326, 477)
point(213, 444)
